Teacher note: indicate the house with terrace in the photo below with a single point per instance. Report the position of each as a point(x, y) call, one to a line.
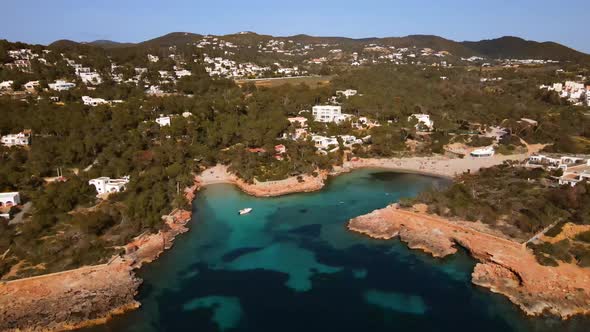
point(575, 174)
point(106, 185)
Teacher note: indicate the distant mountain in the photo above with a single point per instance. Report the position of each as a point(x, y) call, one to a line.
point(109, 44)
point(504, 47)
point(63, 43)
point(514, 47)
point(173, 39)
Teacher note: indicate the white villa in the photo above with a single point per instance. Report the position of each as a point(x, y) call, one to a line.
point(163, 121)
point(105, 184)
point(323, 142)
point(572, 175)
point(9, 199)
point(562, 162)
point(20, 139)
point(61, 85)
point(423, 120)
point(93, 101)
point(483, 152)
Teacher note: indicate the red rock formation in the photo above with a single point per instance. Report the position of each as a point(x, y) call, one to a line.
point(506, 267)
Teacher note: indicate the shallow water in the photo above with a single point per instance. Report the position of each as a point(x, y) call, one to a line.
point(291, 265)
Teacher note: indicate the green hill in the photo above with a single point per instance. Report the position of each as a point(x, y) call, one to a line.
point(504, 47)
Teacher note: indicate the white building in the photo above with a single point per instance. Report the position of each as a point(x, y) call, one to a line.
point(154, 90)
point(323, 142)
point(105, 184)
point(329, 113)
point(153, 58)
point(90, 78)
point(20, 139)
point(9, 199)
point(326, 113)
point(350, 140)
point(347, 93)
point(31, 85)
point(483, 152)
point(573, 175)
point(423, 120)
point(163, 121)
point(562, 162)
point(61, 85)
point(182, 73)
point(6, 85)
point(93, 101)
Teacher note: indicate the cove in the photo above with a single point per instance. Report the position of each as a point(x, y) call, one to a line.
point(291, 265)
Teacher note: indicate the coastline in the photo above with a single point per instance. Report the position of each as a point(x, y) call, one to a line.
point(89, 295)
point(26, 314)
point(435, 166)
point(504, 266)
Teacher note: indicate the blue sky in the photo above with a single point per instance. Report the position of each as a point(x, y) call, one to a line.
point(41, 21)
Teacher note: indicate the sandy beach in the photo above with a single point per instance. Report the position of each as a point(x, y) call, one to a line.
point(439, 166)
point(220, 174)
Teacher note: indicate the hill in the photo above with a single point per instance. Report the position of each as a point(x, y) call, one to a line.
point(109, 44)
point(504, 47)
point(514, 47)
point(172, 39)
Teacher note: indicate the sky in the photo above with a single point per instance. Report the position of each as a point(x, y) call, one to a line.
point(42, 21)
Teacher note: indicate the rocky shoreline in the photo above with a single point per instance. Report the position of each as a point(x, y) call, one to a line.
point(85, 296)
point(505, 266)
point(92, 295)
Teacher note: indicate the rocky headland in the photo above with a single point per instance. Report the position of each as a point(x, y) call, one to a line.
point(505, 266)
point(85, 296)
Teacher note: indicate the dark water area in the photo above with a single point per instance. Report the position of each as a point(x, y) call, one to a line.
point(291, 265)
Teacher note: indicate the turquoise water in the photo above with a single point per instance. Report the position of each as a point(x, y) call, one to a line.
point(291, 265)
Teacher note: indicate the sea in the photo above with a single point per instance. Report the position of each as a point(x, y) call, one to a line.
point(292, 265)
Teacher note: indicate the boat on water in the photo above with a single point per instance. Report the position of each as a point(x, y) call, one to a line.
point(245, 211)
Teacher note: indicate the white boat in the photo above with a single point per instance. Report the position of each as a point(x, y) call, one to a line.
point(245, 211)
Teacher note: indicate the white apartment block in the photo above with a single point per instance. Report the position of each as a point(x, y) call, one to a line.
point(105, 184)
